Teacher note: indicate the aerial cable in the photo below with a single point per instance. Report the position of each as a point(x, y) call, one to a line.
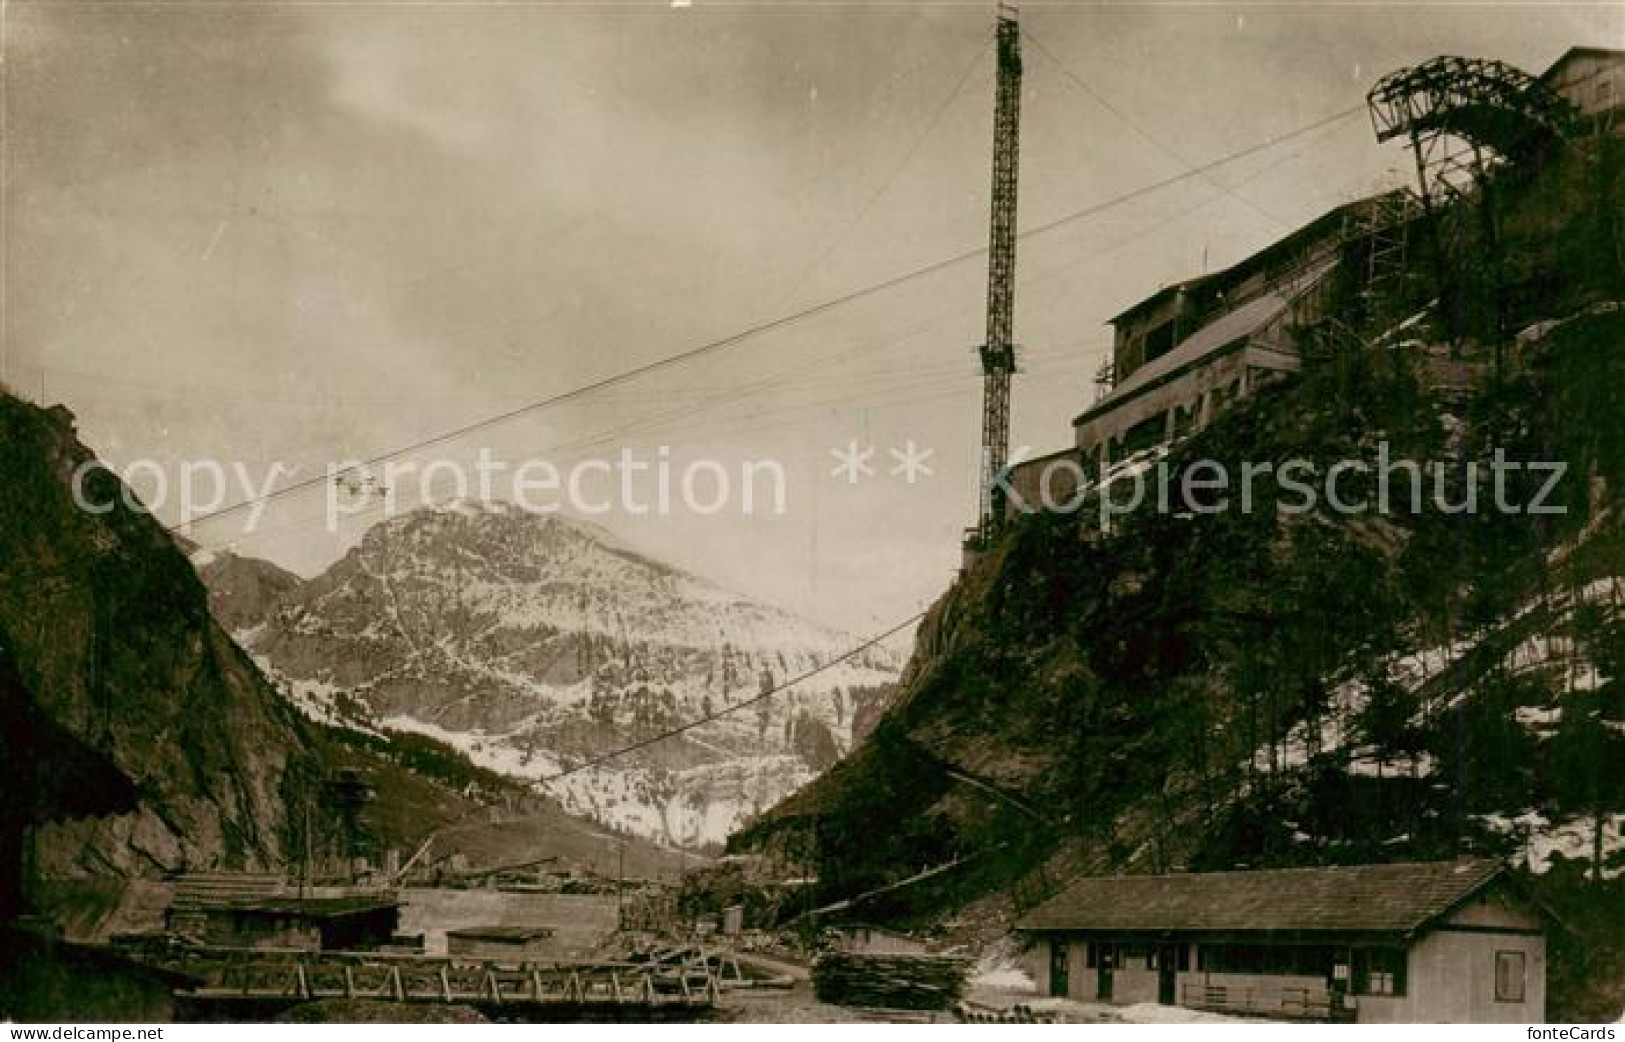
point(777, 689)
point(1129, 121)
point(771, 325)
point(891, 179)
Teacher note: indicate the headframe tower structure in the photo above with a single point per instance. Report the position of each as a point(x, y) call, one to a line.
point(998, 351)
point(1464, 117)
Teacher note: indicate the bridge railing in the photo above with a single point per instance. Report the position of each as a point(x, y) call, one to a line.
point(281, 973)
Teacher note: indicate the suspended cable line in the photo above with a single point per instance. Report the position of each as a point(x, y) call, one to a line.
point(1134, 125)
point(761, 328)
point(912, 377)
point(778, 689)
point(891, 179)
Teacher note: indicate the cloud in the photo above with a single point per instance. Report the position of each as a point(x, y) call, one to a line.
point(302, 232)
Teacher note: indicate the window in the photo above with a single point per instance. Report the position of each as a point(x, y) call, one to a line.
point(1379, 971)
point(1282, 960)
point(1509, 976)
point(1159, 341)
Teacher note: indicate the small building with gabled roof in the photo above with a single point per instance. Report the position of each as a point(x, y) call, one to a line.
point(1425, 942)
point(347, 922)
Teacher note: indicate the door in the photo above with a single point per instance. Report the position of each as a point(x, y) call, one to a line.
point(1103, 972)
point(1167, 968)
point(1058, 955)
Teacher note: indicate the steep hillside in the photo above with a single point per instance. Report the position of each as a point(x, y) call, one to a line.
point(243, 591)
point(426, 790)
point(535, 643)
point(1271, 687)
point(113, 645)
point(147, 741)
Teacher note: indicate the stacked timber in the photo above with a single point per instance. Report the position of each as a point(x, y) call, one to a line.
point(1020, 1013)
point(889, 981)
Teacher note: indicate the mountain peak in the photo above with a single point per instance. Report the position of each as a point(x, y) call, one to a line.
point(536, 642)
point(473, 518)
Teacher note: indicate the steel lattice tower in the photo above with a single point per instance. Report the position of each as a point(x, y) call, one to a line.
point(998, 352)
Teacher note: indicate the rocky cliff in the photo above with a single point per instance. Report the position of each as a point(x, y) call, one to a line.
point(110, 636)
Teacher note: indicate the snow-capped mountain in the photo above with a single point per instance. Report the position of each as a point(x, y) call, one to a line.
point(537, 644)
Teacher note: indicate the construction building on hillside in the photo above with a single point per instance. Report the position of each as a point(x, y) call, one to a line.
point(1430, 942)
point(1592, 79)
point(1183, 353)
point(1191, 349)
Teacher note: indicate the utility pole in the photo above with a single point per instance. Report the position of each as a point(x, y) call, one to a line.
point(304, 861)
point(620, 887)
point(999, 352)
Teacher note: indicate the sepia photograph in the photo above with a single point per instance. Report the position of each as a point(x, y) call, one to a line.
point(678, 514)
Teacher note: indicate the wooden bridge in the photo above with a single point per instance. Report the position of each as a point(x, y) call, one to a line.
point(236, 975)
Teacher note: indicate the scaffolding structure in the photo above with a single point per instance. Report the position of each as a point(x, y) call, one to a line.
point(1385, 226)
point(1105, 378)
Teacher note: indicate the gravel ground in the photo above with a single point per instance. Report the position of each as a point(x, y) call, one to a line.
point(361, 1011)
point(798, 1006)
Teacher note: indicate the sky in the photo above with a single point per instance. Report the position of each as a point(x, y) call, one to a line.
point(304, 233)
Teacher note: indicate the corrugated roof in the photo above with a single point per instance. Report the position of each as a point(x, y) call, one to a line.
point(1182, 286)
point(1321, 227)
point(1240, 322)
point(1397, 898)
point(313, 907)
point(502, 933)
point(1581, 52)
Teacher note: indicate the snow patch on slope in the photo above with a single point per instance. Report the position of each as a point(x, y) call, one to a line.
point(537, 645)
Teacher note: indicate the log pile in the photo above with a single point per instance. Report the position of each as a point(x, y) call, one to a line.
point(1020, 1013)
point(931, 982)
